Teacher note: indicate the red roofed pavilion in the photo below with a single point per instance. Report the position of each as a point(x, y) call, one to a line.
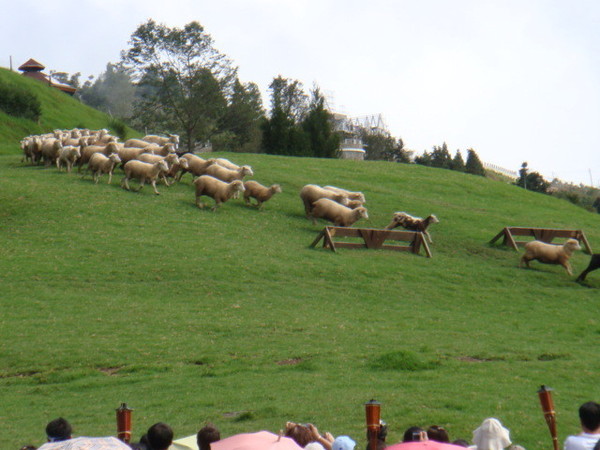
point(33, 69)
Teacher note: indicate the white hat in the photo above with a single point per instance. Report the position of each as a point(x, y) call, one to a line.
point(314, 446)
point(343, 443)
point(491, 435)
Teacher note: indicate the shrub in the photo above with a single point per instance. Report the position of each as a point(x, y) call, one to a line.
point(118, 127)
point(19, 102)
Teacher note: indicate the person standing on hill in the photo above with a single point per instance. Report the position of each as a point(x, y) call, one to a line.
point(589, 416)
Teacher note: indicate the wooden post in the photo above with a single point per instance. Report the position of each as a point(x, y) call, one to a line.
point(545, 395)
point(373, 413)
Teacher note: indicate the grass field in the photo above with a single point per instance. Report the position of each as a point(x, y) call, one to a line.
point(190, 316)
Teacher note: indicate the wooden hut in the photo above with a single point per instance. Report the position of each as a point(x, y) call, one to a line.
point(33, 69)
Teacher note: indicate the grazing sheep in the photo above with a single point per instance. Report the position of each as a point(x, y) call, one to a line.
point(196, 165)
point(99, 163)
point(356, 196)
point(219, 190)
point(340, 215)
point(228, 175)
point(171, 159)
point(143, 172)
point(311, 193)
point(259, 192)
point(227, 164)
point(412, 223)
point(67, 155)
point(137, 143)
point(593, 265)
point(550, 253)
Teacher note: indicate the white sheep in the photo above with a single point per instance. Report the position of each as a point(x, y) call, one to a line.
point(171, 159)
point(143, 172)
point(32, 151)
point(88, 150)
point(219, 190)
point(259, 192)
point(339, 215)
point(137, 143)
point(412, 223)
point(226, 163)
point(356, 196)
point(99, 163)
point(228, 175)
point(162, 140)
point(550, 253)
point(68, 155)
point(311, 193)
point(196, 165)
point(130, 153)
point(49, 150)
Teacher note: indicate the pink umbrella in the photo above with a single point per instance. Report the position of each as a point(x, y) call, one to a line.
point(423, 445)
point(87, 443)
point(262, 440)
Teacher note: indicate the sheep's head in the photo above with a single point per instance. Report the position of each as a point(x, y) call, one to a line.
point(361, 211)
point(572, 245)
point(275, 188)
point(246, 171)
point(169, 147)
point(353, 204)
point(162, 166)
point(183, 163)
point(237, 186)
point(114, 158)
point(433, 219)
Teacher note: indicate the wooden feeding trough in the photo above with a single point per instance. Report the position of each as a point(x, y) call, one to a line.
point(540, 234)
point(372, 238)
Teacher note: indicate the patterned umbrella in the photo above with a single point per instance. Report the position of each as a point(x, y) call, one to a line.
point(262, 440)
point(87, 443)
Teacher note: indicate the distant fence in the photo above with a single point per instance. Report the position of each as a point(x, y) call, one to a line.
point(501, 170)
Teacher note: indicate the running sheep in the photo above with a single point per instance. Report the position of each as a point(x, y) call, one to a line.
point(550, 253)
point(412, 223)
point(68, 155)
point(143, 172)
point(339, 215)
point(219, 190)
point(311, 193)
point(99, 163)
point(228, 175)
point(260, 193)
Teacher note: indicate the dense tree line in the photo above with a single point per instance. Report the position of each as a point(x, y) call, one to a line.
point(440, 157)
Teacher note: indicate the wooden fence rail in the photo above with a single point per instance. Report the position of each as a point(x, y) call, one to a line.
point(540, 234)
point(372, 238)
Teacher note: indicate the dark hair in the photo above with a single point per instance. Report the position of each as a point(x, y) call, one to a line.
point(589, 414)
point(206, 436)
point(59, 430)
point(300, 434)
point(438, 434)
point(381, 435)
point(160, 436)
point(408, 434)
point(28, 447)
point(460, 443)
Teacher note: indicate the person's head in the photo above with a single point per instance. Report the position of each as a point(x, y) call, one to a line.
point(589, 415)
point(343, 443)
point(491, 435)
point(413, 434)
point(206, 436)
point(160, 436)
point(299, 433)
point(58, 430)
point(438, 434)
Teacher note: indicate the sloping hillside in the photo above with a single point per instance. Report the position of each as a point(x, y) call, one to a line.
point(229, 317)
point(59, 110)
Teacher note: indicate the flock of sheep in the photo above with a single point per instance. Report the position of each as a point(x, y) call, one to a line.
point(155, 158)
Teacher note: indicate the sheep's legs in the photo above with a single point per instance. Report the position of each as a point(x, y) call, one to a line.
point(109, 177)
point(154, 186)
point(126, 181)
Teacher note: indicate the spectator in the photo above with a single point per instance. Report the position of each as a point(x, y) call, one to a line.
point(58, 430)
point(206, 436)
point(160, 436)
point(589, 416)
point(343, 443)
point(414, 434)
point(438, 434)
point(460, 443)
point(383, 430)
point(301, 434)
point(491, 435)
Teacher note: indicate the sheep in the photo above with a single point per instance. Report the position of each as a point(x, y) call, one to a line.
point(166, 149)
point(32, 149)
point(162, 140)
point(228, 175)
point(227, 164)
point(196, 165)
point(593, 265)
point(340, 215)
point(137, 143)
point(100, 163)
point(259, 192)
point(88, 150)
point(68, 155)
point(412, 223)
point(49, 149)
point(550, 253)
point(143, 172)
point(219, 190)
point(311, 193)
point(170, 159)
point(356, 196)
point(130, 153)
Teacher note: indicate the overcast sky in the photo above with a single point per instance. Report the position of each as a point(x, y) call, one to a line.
point(515, 80)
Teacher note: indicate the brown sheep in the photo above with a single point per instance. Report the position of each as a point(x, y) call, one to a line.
point(228, 175)
point(550, 253)
point(261, 193)
point(355, 196)
point(412, 223)
point(219, 190)
point(340, 215)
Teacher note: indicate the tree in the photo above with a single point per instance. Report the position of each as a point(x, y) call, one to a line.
point(184, 76)
point(532, 181)
point(113, 92)
point(457, 162)
point(424, 159)
point(318, 125)
point(473, 165)
point(440, 157)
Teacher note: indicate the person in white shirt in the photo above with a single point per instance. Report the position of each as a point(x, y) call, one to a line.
point(589, 416)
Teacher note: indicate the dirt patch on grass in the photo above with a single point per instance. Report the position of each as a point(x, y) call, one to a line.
point(289, 362)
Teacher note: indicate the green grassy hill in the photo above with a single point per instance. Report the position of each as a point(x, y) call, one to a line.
point(59, 110)
point(190, 316)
